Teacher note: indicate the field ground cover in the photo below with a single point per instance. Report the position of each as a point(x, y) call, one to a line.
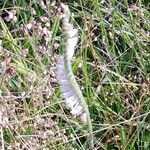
point(111, 64)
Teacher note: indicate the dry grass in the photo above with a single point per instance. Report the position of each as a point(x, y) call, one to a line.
point(111, 64)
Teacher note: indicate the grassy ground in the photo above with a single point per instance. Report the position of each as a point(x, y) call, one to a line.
point(112, 67)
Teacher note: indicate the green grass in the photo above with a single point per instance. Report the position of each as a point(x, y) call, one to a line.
point(112, 67)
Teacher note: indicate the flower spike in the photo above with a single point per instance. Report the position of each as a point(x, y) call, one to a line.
point(66, 79)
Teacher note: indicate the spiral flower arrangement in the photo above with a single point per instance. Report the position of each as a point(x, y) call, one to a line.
point(66, 79)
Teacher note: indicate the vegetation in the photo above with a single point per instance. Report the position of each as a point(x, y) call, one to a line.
point(111, 64)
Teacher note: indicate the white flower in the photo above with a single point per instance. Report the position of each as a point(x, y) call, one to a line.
point(70, 47)
point(70, 33)
point(67, 89)
point(68, 84)
point(71, 99)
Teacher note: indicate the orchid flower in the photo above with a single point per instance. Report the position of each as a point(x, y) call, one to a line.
point(66, 79)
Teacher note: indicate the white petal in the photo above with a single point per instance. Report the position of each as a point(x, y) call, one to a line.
point(71, 33)
point(60, 72)
point(70, 46)
point(77, 111)
point(84, 118)
point(65, 88)
point(68, 94)
point(67, 26)
point(70, 99)
point(73, 104)
point(61, 77)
